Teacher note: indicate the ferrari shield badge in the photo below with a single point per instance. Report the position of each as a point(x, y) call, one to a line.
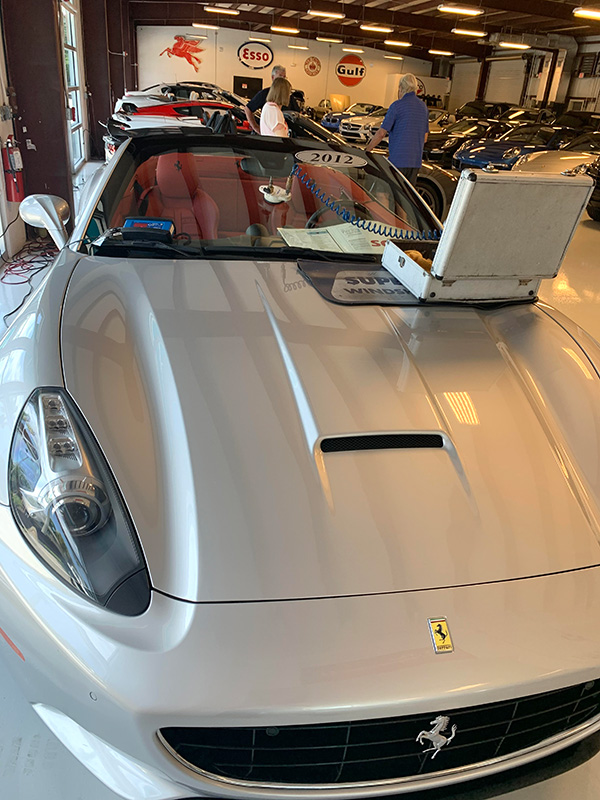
point(440, 635)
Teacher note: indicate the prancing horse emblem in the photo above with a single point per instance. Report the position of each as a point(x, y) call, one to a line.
point(440, 723)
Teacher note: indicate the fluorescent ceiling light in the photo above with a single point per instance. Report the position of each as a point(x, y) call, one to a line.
point(515, 45)
point(587, 12)
point(467, 32)
point(325, 39)
point(279, 29)
point(352, 50)
point(202, 25)
point(396, 43)
point(396, 58)
point(214, 10)
point(298, 46)
point(440, 53)
point(376, 28)
point(327, 14)
point(258, 39)
point(463, 11)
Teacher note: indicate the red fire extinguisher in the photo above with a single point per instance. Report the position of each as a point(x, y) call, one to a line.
point(12, 163)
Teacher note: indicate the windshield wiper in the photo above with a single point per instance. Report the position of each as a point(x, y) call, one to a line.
point(114, 247)
point(283, 253)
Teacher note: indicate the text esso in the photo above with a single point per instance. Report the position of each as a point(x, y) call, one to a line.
point(255, 55)
point(350, 70)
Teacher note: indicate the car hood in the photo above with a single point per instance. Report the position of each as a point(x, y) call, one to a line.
point(366, 119)
point(210, 385)
point(555, 160)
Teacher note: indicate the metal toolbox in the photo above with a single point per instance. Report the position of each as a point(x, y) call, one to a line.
point(505, 232)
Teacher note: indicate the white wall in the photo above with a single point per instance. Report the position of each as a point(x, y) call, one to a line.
point(14, 239)
point(505, 81)
point(220, 63)
point(464, 83)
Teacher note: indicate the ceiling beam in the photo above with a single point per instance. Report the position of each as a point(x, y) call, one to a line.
point(354, 12)
point(156, 13)
point(541, 8)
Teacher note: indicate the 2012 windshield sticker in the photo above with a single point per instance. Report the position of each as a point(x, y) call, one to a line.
point(330, 158)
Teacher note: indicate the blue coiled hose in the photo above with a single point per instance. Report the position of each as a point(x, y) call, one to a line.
point(365, 224)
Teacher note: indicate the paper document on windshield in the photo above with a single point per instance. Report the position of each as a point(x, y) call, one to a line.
point(343, 238)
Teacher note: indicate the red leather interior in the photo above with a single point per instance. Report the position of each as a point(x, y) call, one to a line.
point(210, 196)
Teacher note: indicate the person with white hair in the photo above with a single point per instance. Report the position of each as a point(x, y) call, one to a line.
point(260, 98)
point(407, 124)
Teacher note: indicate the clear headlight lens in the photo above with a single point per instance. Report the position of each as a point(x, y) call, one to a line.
point(521, 160)
point(69, 509)
point(514, 151)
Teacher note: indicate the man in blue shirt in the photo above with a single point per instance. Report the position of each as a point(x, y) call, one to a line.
point(407, 123)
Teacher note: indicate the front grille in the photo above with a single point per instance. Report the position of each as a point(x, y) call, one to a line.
point(382, 749)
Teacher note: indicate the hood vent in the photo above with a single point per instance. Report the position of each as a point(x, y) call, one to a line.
point(381, 441)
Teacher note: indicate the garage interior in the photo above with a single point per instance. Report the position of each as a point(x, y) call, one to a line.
point(65, 64)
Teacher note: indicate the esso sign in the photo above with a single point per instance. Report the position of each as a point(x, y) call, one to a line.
point(350, 70)
point(255, 55)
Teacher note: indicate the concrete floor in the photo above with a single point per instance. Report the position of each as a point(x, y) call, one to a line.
point(33, 764)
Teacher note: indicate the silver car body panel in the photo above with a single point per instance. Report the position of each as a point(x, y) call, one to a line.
point(288, 369)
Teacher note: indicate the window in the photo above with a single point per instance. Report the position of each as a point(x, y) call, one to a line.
point(75, 108)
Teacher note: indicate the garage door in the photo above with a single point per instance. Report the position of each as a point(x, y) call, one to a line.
point(505, 81)
point(464, 84)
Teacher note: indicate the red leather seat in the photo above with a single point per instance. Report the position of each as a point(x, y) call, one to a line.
point(177, 196)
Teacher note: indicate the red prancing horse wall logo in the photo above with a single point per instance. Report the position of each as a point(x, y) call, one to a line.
point(185, 48)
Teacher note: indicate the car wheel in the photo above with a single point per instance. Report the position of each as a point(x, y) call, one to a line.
point(431, 196)
point(594, 212)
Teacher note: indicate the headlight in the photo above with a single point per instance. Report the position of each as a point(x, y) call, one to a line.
point(521, 160)
point(69, 509)
point(579, 169)
point(449, 143)
point(514, 151)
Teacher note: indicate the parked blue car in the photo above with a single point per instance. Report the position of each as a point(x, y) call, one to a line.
point(332, 120)
point(504, 151)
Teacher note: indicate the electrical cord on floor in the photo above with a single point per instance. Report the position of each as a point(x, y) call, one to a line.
point(32, 259)
point(2, 236)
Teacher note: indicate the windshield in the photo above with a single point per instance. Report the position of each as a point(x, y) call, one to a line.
point(587, 141)
point(520, 115)
point(528, 133)
point(362, 108)
point(467, 126)
point(231, 198)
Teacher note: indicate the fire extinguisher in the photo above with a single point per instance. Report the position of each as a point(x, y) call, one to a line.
point(12, 163)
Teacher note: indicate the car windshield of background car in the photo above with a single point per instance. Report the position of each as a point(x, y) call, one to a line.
point(326, 200)
point(588, 141)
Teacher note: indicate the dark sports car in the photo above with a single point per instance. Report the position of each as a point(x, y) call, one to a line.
point(504, 152)
point(441, 146)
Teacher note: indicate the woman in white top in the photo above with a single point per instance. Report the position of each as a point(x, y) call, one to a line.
point(272, 121)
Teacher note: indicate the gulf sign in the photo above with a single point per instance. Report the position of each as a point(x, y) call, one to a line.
point(255, 55)
point(350, 70)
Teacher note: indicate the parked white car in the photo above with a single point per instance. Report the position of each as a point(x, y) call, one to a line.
point(269, 527)
point(361, 129)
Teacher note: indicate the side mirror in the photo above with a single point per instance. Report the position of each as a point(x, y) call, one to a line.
point(47, 211)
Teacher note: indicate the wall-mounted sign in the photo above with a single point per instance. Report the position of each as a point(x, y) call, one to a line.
point(187, 48)
point(350, 70)
point(312, 66)
point(255, 55)
point(421, 90)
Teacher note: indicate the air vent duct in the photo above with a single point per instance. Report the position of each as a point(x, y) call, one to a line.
point(381, 441)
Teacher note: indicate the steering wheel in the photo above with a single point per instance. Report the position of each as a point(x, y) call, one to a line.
point(353, 204)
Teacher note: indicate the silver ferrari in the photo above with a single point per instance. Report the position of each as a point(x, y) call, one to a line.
point(270, 528)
